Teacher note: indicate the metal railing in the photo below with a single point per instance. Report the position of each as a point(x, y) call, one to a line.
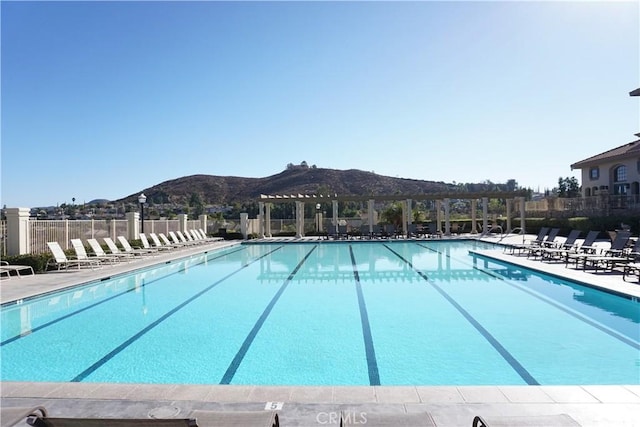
point(600, 205)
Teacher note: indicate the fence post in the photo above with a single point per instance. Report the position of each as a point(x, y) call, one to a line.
point(522, 215)
point(18, 231)
point(447, 216)
point(182, 222)
point(244, 223)
point(203, 223)
point(113, 229)
point(485, 218)
point(261, 219)
point(66, 234)
point(133, 225)
point(474, 220)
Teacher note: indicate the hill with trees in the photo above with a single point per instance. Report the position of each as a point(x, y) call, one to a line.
point(295, 179)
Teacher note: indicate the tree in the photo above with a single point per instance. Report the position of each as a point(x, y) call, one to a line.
point(195, 202)
point(568, 187)
point(393, 214)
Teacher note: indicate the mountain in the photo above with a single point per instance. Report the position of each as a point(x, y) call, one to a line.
point(226, 190)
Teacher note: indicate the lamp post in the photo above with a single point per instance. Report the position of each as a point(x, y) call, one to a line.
point(142, 199)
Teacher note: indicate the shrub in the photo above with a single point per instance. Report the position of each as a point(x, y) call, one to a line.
point(37, 261)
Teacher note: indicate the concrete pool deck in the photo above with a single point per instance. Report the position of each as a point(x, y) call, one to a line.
point(450, 406)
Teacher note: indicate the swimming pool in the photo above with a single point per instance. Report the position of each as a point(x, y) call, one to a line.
point(359, 313)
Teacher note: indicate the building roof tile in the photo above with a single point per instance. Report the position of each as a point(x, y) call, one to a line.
point(621, 152)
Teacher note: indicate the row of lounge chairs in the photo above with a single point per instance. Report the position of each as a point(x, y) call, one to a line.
point(39, 417)
point(623, 252)
point(99, 257)
point(382, 231)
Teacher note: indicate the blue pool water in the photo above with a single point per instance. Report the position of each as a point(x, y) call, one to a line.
point(361, 313)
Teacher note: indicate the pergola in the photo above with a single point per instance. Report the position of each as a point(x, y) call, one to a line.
point(442, 201)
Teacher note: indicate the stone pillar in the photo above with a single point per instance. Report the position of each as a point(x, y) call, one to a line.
point(261, 219)
point(334, 205)
point(522, 215)
point(485, 215)
point(438, 216)
point(408, 219)
point(244, 225)
point(203, 222)
point(18, 239)
point(370, 217)
point(474, 222)
point(133, 225)
point(267, 220)
point(509, 203)
point(447, 218)
point(182, 222)
point(299, 219)
point(112, 228)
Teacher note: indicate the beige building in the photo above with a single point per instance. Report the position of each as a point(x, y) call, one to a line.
point(615, 172)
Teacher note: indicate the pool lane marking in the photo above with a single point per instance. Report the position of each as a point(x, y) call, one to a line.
point(574, 313)
point(511, 360)
point(244, 348)
point(161, 319)
point(372, 363)
point(66, 316)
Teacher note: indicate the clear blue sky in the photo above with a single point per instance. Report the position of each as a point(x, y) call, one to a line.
point(103, 100)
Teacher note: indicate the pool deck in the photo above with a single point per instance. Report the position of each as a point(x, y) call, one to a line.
point(450, 406)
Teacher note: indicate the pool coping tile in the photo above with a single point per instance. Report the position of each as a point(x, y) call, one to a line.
point(529, 394)
point(190, 392)
point(311, 394)
point(439, 394)
point(113, 391)
point(354, 394)
point(482, 394)
point(73, 390)
point(270, 394)
point(569, 394)
point(396, 394)
point(229, 393)
point(612, 394)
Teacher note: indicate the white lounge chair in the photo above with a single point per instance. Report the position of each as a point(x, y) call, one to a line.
point(127, 247)
point(206, 238)
point(164, 240)
point(100, 253)
point(186, 237)
point(61, 261)
point(7, 268)
point(156, 242)
point(181, 240)
point(81, 252)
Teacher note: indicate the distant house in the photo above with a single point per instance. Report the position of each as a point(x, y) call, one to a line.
point(615, 172)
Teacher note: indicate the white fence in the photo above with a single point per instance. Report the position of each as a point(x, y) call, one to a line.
point(33, 237)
